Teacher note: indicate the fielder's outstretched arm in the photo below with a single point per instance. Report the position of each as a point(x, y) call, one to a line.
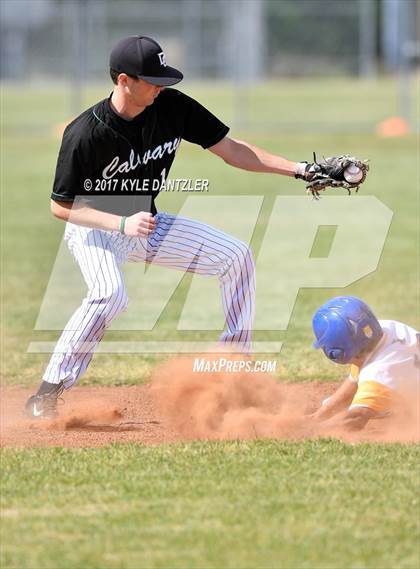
point(248, 157)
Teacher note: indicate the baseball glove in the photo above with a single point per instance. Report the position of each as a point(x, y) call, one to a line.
point(336, 172)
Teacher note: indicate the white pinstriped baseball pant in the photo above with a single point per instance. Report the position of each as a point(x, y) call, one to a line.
point(177, 242)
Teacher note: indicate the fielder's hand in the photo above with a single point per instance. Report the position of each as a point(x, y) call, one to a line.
point(335, 172)
point(140, 224)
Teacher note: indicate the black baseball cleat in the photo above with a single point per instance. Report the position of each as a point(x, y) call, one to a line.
point(43, 405)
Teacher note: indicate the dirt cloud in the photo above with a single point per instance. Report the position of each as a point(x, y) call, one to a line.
point(226, 405)
point(85, 413)
point(244, 405)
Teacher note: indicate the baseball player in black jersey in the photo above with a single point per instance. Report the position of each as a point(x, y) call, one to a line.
point(119, 147)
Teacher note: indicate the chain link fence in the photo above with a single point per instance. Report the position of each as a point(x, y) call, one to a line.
point(224, 39)
point(241, 43)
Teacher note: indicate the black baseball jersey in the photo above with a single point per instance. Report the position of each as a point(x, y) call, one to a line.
point(103, 156)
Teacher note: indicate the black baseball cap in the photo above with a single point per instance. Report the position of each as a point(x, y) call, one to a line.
point(142, 57)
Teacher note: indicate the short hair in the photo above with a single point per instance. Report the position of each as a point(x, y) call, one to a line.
point(114, 75)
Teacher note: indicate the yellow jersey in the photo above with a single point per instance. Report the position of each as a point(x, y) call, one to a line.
point(391, 372)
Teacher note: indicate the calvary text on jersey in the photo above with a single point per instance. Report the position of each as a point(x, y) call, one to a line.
point(134, 160)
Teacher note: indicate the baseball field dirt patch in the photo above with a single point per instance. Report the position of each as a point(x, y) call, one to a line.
point(164, 412)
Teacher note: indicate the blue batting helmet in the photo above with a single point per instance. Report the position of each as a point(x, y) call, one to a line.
point(344, 328)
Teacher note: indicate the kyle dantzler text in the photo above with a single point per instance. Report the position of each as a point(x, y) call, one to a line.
point(136, 185)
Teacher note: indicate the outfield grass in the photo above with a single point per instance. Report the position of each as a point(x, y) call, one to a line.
point(237, 504)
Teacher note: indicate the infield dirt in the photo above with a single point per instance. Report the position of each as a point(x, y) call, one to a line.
point(179, 405)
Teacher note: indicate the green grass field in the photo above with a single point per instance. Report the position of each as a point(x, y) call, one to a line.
point(237, 504)
point(259, 504)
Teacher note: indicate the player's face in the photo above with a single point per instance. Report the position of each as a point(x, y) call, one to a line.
point(142, 93)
